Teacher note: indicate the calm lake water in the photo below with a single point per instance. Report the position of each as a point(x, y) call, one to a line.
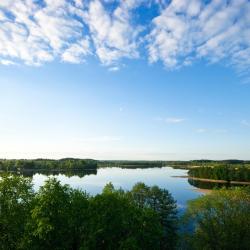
point(180, 188)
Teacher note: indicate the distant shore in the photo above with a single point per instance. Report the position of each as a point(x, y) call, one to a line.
point(212, 180)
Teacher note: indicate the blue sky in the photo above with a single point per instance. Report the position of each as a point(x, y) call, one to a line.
point(162, 80)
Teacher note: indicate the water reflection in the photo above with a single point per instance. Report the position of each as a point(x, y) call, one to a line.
point(68, 173)
point(211, 185)
point(93, 182)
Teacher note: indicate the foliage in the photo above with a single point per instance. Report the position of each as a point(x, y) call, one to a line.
point(221, 220)
point(50, 220)
point(207, 163)
point(131, 164)
point(16, 196)
point(47, 164)
point(161, 202)
point(116, 223)
point(221, 173)
point(59, 217)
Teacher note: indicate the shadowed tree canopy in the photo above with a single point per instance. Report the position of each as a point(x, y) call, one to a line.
point(221, 220)
point(61, 218)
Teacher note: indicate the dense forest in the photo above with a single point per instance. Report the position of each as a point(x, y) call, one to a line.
point(207, 163)
point(174, 164)
point(61, 218)
point(48, 164)
point(131, 164)
point(89, 164)
point(210, 185)
point(228, 170)
point(227, 173)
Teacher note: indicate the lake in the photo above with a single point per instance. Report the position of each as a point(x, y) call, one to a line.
point(180, 188)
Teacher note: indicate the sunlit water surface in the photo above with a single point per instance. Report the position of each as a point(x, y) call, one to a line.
point(93, 184)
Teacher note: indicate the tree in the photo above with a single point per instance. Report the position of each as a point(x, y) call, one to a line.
point(117, 223)
point(16, 195)
point(61, 218)
point(221, 220)
point(50, 217)
point(140, 195)
point(79, 218)
point(161, 201)
point(163, 204)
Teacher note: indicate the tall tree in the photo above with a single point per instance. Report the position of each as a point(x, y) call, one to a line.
point(163, 204)
point(16, 195)
point(50, 217)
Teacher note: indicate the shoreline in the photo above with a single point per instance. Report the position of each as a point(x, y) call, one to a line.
point(213, 180)
point(202, 190)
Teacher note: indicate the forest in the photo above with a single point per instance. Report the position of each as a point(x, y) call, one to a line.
point(61, 218)
point(47, 164)
point(22, 165)
point(227, 173)
point(207, 163)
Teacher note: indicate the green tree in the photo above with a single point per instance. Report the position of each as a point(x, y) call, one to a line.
point(50, 217)
point(108, 189)
point(163, 204)
point(16, 195)
point(140, 195)
point(117, 223)
point(79, 218)
point(61, 218)
point(221, 220)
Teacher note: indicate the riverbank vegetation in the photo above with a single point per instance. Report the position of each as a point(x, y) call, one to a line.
point(226, 173)
point(207, 163)
point(221, 220)
point(131, 164)
point(59, 217)
point(47, 165)
point(90, 164)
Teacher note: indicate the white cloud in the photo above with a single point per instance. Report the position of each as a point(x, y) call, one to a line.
point(217, 131)
point(201, 130)
point(180, 33)
point(187, 30)
point(7, 62)
point(76, 52)
point(113, 34)
point(174, 120)
point(35, 34)
point(169, 120)
point(114, 69)
point(79, 3)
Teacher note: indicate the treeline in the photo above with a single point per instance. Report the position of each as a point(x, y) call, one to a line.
point(207, 163)
point(230, 161)
point(131, 164)
point(66, 172)
point(48, 164)
point(73, 164)
point(210, 185)
point(227, 173)
point(61, 218)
